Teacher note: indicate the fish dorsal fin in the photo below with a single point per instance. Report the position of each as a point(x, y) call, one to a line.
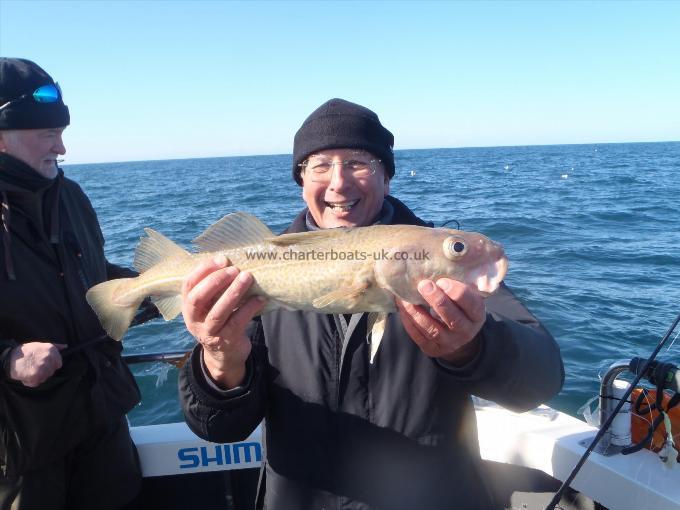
point(154, 249)
point(308, 237)
point(232, 231)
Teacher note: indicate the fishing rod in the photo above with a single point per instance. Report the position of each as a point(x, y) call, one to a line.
point(145, 314)
point(175, 358)
point(605, 426)
point(451, 221)
point(85, 345)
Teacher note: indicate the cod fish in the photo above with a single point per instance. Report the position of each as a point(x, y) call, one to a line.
point(344, 270)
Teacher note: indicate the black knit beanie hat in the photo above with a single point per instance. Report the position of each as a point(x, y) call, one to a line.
point(18, 77)
point(339, 124)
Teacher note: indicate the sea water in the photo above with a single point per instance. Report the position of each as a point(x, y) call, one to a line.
point(592, 233)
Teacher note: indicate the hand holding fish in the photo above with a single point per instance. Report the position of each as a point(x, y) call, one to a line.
point(448, 333)
point(33, 363)
point(215, 314)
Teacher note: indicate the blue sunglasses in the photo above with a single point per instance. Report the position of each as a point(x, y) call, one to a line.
point(45, 94)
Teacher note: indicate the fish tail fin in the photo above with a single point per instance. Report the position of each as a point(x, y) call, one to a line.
point(115, 316)
point(116, 302)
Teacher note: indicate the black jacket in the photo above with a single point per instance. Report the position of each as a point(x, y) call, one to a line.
point(397, 434)
point(51, 252)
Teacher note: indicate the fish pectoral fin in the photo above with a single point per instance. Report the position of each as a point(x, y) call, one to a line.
point(346, 297)
point(155, 248)
point(308, 237)
point(233, 231)
point(169, 306)
point(375, 327)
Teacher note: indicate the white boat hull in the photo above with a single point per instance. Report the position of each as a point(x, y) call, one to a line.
point(542, 439)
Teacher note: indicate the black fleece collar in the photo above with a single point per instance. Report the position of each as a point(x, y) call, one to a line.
point(18, 174)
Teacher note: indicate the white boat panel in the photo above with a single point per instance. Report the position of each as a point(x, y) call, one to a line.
point(173, 449)
point(542, 439)
point(548, 440)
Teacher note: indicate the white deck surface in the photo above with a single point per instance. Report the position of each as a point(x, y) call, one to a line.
point(543, 439)
point(548, 440)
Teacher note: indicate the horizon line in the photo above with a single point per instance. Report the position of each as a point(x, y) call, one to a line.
point(395, 151)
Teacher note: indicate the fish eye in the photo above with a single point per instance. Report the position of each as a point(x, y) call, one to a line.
point(454, 247)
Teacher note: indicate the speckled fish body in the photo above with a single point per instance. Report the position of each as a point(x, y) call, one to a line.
point(346, 270)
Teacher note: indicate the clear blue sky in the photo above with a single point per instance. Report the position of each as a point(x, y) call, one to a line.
point(175, 79)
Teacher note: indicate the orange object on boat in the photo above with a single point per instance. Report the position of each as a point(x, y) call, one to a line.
point(640, 423)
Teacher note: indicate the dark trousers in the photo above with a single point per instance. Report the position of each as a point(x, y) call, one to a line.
point(102, 473)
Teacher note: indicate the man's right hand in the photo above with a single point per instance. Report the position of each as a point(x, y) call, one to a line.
point(215, 315)
point(33, 363)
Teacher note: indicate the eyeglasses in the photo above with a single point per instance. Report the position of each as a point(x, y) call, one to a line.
point(321, 169)
point(45, 94)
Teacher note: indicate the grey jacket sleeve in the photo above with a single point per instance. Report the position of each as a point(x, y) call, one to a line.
point(519, 364)
point(224, 416)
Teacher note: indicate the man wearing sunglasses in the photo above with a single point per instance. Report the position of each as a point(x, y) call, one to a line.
point(341, 430)
point(64, 439)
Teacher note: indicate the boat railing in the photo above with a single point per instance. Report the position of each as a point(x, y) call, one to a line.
point(172, 357)
point(610, 393)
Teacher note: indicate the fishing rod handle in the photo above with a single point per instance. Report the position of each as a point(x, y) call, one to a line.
point(658, 373)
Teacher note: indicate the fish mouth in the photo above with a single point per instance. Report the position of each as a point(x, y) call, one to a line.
point(341, 207)
point(489, 276)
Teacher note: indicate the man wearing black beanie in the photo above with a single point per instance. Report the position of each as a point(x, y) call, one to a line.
point(339, 124)
point(344, 429)
point(64, 439)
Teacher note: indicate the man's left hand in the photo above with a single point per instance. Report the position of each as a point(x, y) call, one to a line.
point(449, 331)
